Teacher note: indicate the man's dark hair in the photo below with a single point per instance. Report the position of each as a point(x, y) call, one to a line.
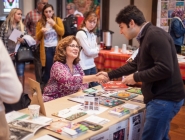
point(128, 13)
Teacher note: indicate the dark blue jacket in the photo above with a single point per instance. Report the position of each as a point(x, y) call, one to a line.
point(177, 31)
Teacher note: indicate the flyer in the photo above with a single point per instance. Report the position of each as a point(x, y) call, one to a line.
point(136, 126)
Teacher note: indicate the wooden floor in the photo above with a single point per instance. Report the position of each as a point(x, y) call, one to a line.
point(177, 131)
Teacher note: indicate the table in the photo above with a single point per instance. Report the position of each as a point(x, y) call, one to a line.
point(109, 60)
point(62, 103)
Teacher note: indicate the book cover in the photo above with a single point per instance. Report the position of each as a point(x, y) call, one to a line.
point(114, 85)
point(22, 130)
point(124, 95)
point(119, 111)
point(66, 127)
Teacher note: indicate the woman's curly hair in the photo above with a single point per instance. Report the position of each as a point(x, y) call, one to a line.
point(60, 53)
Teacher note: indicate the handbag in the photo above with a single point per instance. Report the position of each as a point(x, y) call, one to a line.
point(24, 53)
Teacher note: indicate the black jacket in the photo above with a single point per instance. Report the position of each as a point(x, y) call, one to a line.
point(157, 66)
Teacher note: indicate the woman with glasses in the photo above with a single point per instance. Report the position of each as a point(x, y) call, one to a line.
point(67, 76)
point(49, 30)
point(87, 39)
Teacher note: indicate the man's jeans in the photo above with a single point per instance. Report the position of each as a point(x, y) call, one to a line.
point(159, 114)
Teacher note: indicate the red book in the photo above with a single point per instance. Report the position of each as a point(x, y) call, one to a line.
point(113, 85)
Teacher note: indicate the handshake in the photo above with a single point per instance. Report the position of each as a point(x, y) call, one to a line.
point(102, 77)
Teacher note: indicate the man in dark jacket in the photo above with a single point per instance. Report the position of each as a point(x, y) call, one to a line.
point(156, 66)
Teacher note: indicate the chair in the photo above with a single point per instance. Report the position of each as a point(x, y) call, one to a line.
point(36, 96)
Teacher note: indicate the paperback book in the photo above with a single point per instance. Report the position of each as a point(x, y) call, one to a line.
point(124, 95)
point(119, 111)
point(114, 85)
point(22, 130)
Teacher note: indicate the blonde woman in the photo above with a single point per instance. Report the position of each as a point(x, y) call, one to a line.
point(13, 21)
point(49, 30)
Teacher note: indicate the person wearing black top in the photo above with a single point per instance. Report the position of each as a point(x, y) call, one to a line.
point(156, 66)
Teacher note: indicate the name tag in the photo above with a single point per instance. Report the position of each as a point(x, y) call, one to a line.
point(77, 74)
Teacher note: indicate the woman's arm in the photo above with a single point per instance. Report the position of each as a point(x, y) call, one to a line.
point(59, 27)
point(39, 32)
point(88, 50)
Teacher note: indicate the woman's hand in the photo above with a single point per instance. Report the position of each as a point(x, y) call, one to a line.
point(44, 30)
point(21, 40)
point(51, 21)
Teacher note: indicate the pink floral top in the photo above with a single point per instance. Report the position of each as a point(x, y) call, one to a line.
point(62, 82)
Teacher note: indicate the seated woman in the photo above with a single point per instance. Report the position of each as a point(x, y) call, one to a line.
point(67, 76)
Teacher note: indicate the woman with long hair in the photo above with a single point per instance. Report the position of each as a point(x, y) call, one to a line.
point(14, 21)
point(67, 76)
point(49, 30)
point(87, 39)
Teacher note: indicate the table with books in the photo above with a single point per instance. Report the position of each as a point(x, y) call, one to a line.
point(106, 107)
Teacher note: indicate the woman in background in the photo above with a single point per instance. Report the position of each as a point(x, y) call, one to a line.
point(67, 76)
point(87, 39)
point(49, 30)
point(14, 21)
point(177, 29)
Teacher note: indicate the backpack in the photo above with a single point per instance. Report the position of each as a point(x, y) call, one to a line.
point(69, 25)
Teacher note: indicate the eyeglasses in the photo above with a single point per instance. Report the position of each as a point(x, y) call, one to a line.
point(74, 46)
point(44, 3)
point(68, 9)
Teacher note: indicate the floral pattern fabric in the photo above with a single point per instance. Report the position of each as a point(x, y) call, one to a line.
point(63, 82)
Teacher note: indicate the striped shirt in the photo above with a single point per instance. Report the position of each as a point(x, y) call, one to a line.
point(31, 21)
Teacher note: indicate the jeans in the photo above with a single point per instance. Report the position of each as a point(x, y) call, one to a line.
point(159, 114)
point(91, 71)
point(50, 52)
point(20, 67)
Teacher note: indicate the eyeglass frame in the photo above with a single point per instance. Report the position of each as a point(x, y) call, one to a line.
point(74, 46)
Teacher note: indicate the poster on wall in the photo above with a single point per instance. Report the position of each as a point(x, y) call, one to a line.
point(84, 6)
point(165, 10)
point(10, 4)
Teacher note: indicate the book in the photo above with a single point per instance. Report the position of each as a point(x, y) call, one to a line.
point(119, 111)
point(69, 114)
point(90, 125)
point(67, 128)
point(124, 95)
point(22, 130)
point(114, 85)
point(15, 115)
point(131, 106)
point(134, 90)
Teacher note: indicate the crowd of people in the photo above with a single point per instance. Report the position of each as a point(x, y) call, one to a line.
point(64, 66)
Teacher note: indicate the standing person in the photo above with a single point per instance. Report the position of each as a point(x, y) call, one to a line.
point(177, 29)
point(49, 30)
point(71, 10)
point(87, 39)
point(30, 23)
point(156, 66)
point(13, 21)
point(10, 88)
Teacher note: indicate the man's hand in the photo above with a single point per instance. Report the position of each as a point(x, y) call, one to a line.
point(129, 80)
point(102, 77)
